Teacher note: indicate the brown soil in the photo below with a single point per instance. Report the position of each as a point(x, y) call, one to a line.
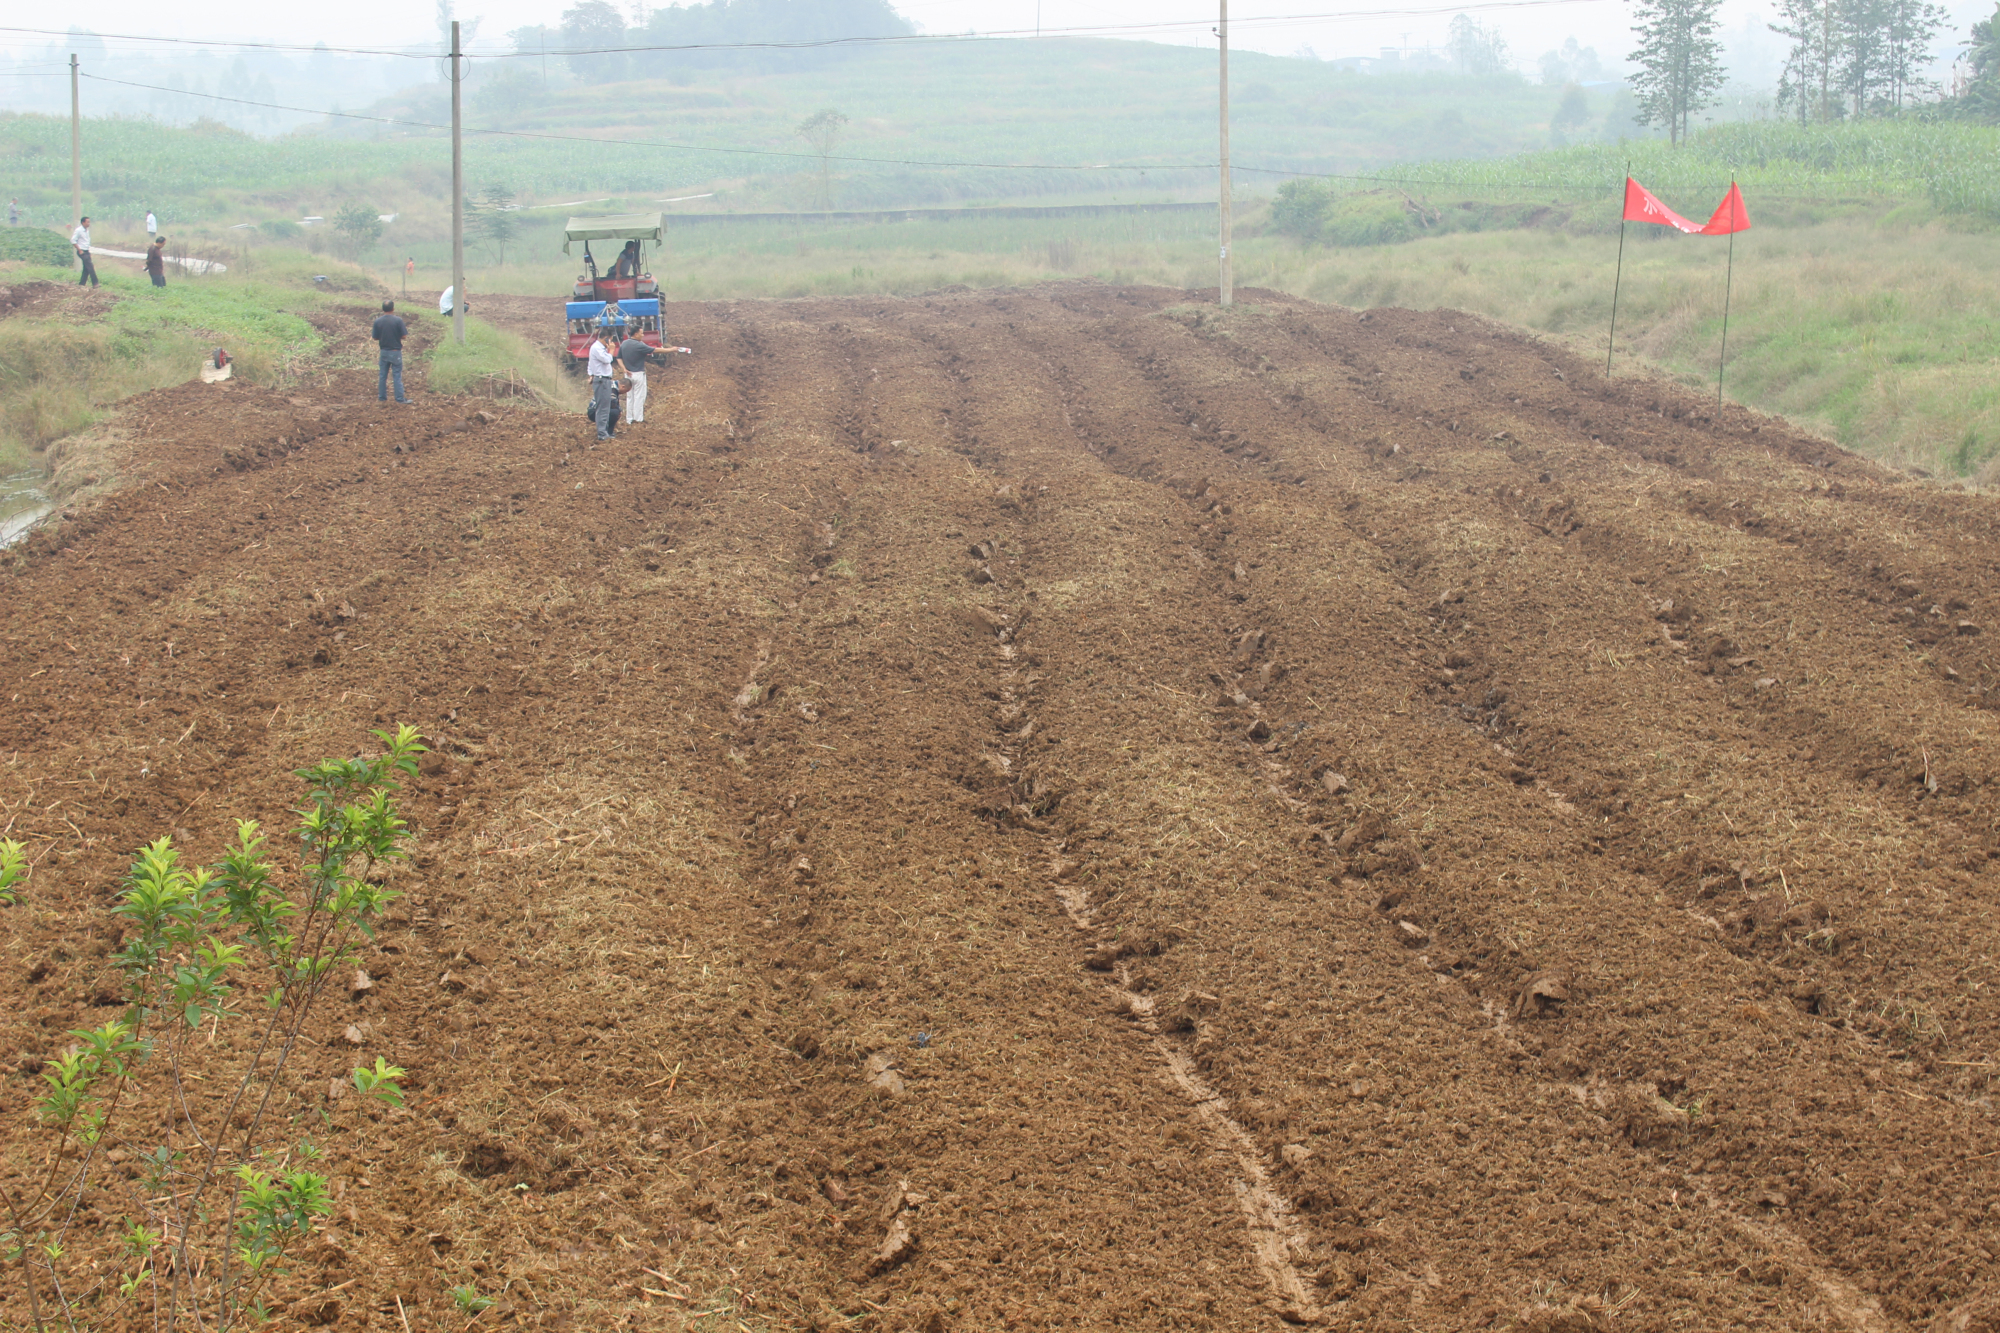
point(1063, 809)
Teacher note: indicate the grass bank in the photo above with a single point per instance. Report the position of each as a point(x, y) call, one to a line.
point(496, 363)
point(60, 373)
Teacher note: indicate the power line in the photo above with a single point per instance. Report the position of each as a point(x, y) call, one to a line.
point(649, 143)
point(828, 42)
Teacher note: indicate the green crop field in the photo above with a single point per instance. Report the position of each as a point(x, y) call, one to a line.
point(1014, 120)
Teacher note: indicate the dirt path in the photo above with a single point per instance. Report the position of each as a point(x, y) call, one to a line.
point(1054, 809)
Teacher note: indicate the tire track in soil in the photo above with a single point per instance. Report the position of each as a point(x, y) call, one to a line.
point(1019, 788)
point(1412, 552)
point(1276, 1237)
point(1180, 410)
point(1272, 1232)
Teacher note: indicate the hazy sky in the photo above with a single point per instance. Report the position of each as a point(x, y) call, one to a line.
point(1530, 27)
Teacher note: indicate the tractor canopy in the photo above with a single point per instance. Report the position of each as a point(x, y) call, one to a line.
point(616, 227)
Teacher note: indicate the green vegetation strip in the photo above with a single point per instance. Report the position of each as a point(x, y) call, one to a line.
point(58, 376)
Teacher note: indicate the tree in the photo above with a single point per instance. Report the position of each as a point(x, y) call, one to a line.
point(466, 32)
point(595, 28)
point(1979, 98)
point(1807, 83)
point(1679, 59)
point(1855, 57)
point(1574, 110)
point(1476, 49)
point(1913, 25)
point(493, 220)
point(822, 130)
point(165, 1196)
point(1571, 63)
point(360, 224)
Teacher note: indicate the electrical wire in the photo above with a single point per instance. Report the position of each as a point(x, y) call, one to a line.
point(1253, 20)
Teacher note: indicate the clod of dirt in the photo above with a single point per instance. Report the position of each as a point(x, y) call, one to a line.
point(980, 618)
point(835, 1192)
point(1646, 1118)
point(317, 1314)
point(1260, 730)
point(1412, 934)
point(902, 1199)
point(1967, 627)
point(1295, 1154)
point(1335, 783)
point(882, 1075)
point(354, 1035)
point(897, 1246)
point(1542, 993)
point(362, 984)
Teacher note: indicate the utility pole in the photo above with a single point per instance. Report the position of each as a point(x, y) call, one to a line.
point(75, 148)
point(457, 200)
point(1226, 295)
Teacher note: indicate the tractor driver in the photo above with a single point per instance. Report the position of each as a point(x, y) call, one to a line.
point(628, 261)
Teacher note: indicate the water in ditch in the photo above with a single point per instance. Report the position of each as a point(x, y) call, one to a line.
point(23, 503)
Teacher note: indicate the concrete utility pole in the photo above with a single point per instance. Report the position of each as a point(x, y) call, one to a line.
point(1223, 32)
point(75, 148)
point(457, 200)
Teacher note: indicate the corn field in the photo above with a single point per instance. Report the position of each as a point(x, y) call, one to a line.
point(1954, 165)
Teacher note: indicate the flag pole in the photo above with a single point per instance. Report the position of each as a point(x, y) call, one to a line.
point(1611, 340)
point(1728, 282)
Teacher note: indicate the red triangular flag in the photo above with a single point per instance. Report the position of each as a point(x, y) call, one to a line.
point(1641, 206)
point(1730, 215)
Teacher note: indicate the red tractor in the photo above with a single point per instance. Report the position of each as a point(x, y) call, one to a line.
point(623, 296)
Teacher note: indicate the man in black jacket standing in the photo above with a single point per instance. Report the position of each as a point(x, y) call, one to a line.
point(389, 333)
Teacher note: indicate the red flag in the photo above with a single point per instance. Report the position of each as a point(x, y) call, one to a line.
point(1641, 206)
point(1730, 215)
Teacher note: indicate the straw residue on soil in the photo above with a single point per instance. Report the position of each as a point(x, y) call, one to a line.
point(1067, 808)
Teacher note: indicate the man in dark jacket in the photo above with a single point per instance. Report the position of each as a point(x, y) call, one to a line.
point(156, 261)
point(389, 333)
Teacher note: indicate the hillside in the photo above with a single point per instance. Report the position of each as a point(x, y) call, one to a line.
point(1059, 808)
point(1144, 108)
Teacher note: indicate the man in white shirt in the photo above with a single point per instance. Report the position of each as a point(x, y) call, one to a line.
point(152, 225)
point(445, 299)
point(80, 238)
point(604, 364)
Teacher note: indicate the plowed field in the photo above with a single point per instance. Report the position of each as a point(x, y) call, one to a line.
point(1068, 809)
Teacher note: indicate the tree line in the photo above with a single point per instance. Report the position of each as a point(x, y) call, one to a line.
point(729, 33)
point(1848, 59)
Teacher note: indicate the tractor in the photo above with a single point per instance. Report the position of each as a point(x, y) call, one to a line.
point(626, 282)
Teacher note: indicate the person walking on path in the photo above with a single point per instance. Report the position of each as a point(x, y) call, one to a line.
point(409, 271)
point(604, 364)
point(13, 212)
point(80, 239)
point(156, 261)
point(389, 332)
point(152, 224)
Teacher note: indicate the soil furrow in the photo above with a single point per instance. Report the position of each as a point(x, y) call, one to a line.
point(1071, 808)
